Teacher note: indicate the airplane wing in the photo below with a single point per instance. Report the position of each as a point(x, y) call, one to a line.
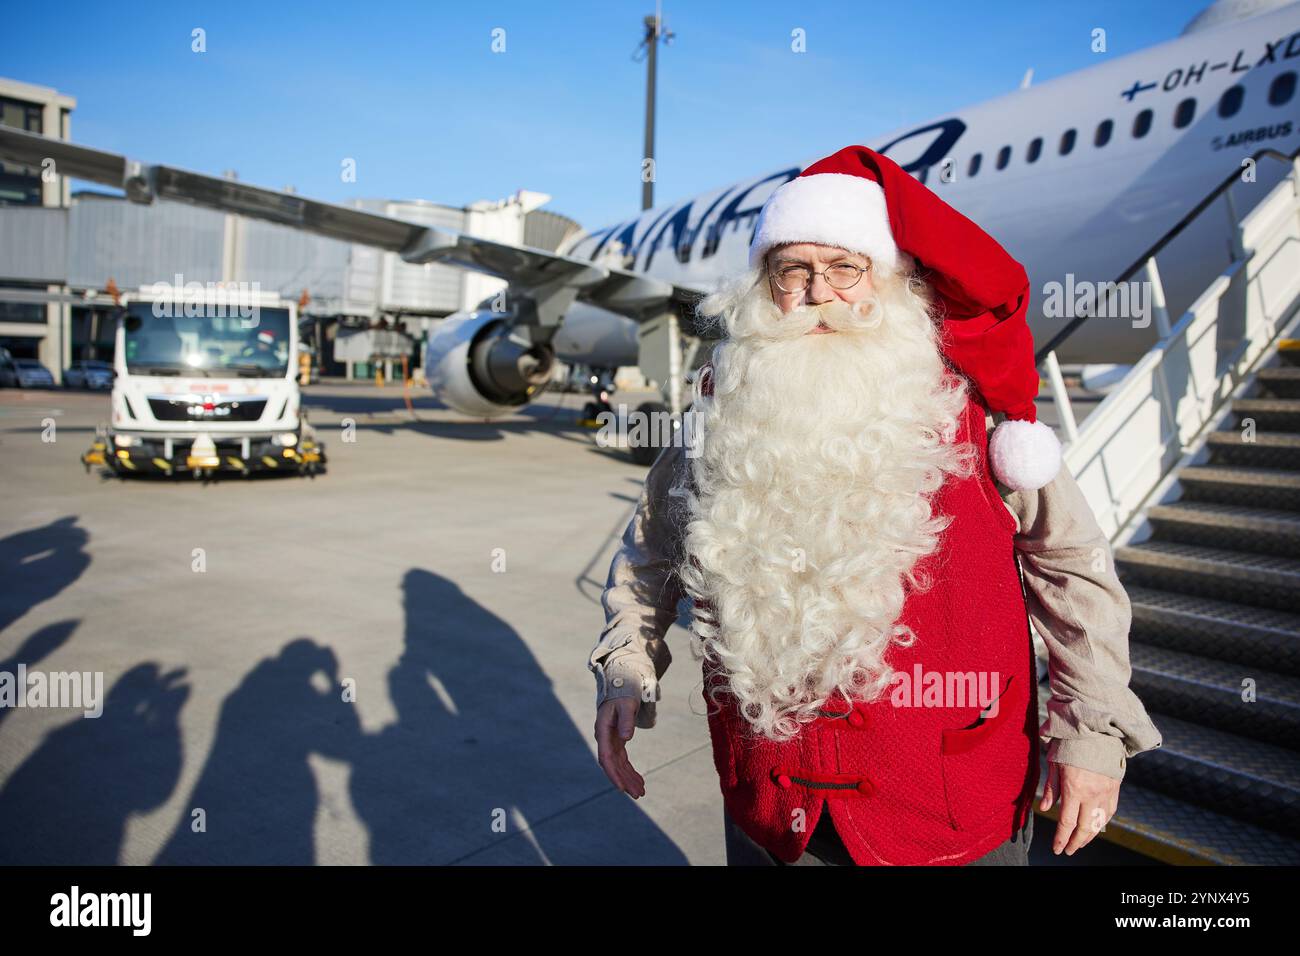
point(542, 276)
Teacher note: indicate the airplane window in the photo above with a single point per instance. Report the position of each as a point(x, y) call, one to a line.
point(1103, 133)
point(974, 165)
point(1141, 124)
point(1230, 102)
point(1067, 142)
point(1281, 89)
point(1035, 148)
point(1184, 112)
point(1004, 156)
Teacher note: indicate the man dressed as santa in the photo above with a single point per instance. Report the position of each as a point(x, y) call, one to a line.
point(868, 671)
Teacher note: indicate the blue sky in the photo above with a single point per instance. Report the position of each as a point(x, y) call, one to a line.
point(414, 93)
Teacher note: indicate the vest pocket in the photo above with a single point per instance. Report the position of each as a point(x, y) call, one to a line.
point(985, 763)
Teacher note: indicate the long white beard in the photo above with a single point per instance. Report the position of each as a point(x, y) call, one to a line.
point(818, 456)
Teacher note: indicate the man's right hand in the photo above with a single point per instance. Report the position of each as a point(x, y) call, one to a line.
point(615, 724)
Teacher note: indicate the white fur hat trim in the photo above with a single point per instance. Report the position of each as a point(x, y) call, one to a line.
point(834, 209)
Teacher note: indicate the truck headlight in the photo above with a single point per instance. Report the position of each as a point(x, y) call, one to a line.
point(287, 439)
point(125, 441)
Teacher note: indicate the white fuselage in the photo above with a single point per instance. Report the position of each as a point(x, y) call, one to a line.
point(1081, 217)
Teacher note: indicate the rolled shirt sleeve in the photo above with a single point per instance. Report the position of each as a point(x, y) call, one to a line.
point(641, 597)
point(1080, 608)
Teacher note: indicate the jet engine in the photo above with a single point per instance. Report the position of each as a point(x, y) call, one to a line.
point(480, 366)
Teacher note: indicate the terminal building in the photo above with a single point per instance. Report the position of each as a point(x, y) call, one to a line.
point(56, 239)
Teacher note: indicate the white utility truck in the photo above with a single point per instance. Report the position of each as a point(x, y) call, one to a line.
point(206, 383)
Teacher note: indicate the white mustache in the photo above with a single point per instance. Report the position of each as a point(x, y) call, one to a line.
point(838, 316)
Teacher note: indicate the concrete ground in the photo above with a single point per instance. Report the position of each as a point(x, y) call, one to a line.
point(228, 618)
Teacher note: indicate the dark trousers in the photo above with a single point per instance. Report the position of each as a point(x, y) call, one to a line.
point(825, 849)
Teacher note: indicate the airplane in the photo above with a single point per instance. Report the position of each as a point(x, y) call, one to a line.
point(1076, 177)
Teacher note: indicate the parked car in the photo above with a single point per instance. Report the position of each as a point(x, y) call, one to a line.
point(8, 372)
point(88, 374)
point(32, 374)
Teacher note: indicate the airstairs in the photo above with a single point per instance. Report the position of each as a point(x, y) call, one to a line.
point(1192, 465)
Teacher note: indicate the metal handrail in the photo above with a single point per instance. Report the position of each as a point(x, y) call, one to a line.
point(1141, 262)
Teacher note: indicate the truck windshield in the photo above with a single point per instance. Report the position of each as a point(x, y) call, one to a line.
point(207, 344)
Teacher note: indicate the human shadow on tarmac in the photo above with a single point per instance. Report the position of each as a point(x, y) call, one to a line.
point(36, 648)
point(257, 791)
point(481, 737)
point(69, 802)
point(36, 565)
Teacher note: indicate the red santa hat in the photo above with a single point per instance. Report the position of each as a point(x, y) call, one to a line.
point(864, 202)
point(266, 337)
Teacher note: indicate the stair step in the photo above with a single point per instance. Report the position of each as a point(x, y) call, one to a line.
point(1236, 485)
point(1281, 381)
point(1234, 633)
point(1264, 450)
point(1173, 831)
point(1177, 832)
point(1269, 414)
point(1210, 693)
point(1248, 779)
point(1264, 580)
point(1236, 527)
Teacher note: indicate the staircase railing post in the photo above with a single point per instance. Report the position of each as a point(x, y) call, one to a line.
point(1237, 241)
point(1064, 410)
point(1157, 288)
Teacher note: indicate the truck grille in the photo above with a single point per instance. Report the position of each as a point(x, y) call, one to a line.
point(188, 410)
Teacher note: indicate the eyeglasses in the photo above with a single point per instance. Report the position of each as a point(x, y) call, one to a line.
point(796, 278)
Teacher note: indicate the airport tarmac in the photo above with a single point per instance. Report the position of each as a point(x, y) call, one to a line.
point(231, 619)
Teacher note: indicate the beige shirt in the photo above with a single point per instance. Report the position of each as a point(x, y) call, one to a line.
point(1073, 594)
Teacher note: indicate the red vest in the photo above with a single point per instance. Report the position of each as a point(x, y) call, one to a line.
point(918, 784)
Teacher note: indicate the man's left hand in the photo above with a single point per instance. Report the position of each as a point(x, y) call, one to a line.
point(1088, 800)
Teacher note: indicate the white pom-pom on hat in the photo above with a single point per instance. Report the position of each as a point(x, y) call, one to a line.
point(1024, 455)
